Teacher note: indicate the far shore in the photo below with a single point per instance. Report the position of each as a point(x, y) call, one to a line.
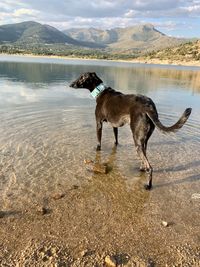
point(139, 60)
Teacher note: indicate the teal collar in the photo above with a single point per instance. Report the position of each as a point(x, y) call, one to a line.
point(98, 90)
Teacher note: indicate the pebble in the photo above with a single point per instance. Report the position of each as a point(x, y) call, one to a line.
point(75, 187)
point(165, 224)
point(196, 196)
point(83, 253)
point(58, 196)
point(42, 210)
point(110, 261)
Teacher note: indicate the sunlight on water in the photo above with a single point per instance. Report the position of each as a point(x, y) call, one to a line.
point(48, 129)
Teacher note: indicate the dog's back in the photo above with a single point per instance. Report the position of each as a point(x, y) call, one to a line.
point(119, 109)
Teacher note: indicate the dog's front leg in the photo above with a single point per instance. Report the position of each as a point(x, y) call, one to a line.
point(99, 134)
point(115, 130)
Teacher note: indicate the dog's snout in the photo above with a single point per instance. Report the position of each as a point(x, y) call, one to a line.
point(73, 85)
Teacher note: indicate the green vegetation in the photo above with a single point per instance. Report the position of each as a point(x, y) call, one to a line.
point(189, 51)
point(62, 50)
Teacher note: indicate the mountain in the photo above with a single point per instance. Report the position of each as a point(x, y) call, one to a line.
point(31, 32)
point(136, 38)
point(104, 37)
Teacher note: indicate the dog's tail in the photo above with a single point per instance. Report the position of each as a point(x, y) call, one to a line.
point(153, 115)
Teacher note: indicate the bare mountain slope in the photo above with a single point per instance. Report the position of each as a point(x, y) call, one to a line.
point(136, 38)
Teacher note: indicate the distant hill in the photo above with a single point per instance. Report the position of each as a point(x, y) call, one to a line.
point(136, 38)
point(93, 35)
point(116, 43)
point(35, 33)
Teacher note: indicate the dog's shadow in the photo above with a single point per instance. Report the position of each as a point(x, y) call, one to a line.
point(192, 165)
point(189, 179)
point(192, 178)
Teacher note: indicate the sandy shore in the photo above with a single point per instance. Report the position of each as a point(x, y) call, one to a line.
point(137, 60)
point(168, 62)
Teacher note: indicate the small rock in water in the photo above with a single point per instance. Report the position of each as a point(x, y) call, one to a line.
point(196, 196)
point(88, 161)
point(165, 224)
point(42, 210)
point(83, 253)
point(58, 196)
point(96, 167)
point(75, 187)
point(110, 261)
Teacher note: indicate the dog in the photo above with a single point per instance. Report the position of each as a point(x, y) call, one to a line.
point(118, 109)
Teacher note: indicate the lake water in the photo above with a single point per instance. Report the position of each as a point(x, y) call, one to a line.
point(48, 129)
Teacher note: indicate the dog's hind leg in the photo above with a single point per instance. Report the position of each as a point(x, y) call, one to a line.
point(149, 132)
point(142, 129)
point(147, 167)
point(99, 134)
point(115, 130)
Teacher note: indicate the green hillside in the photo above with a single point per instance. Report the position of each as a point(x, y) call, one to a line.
point(183, 53)
point(13, 32)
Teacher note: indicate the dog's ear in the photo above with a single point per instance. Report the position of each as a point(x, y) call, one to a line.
point(96, 80)
point(94, 75)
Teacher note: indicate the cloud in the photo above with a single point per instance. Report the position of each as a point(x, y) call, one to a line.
point(195, 10)
point(99, 13)
point(24, 11)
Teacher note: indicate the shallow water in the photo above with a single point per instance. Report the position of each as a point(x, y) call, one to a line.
point(48, 129)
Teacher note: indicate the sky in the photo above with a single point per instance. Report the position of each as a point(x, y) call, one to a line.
point(180, 18)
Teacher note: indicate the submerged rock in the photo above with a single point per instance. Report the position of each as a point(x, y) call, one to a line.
point(58, 196)
point(42, 210)
point(110, 261)
point(96, 167)
point(165, 224)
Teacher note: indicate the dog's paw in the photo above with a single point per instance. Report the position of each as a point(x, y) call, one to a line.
point(147, 187)
point(142, 169)
point(98, 148)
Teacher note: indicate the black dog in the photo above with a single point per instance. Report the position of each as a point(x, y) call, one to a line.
point(137, 110)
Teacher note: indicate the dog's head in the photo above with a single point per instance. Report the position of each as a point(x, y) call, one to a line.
point(88, 80)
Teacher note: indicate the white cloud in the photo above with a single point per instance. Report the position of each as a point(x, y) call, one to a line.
point(130, 13)
point(24, 11)
point(193, 9)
